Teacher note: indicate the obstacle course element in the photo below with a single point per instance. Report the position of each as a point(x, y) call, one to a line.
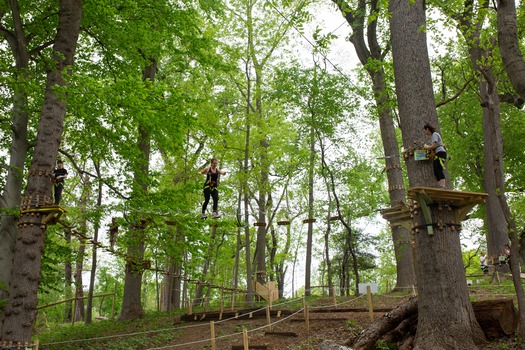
point(422, 198)
point(459, 201)
point(40, 215)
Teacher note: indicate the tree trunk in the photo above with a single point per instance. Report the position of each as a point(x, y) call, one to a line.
point(446, 318)
point(497, 235)
point(497, 318)
point(11, 194)
point(20, 311)
point(131, 301)
point(310, 233)
point(509, 45)
point(401, 236)
point(78, 313)
point(89, 306)
point(68, 278)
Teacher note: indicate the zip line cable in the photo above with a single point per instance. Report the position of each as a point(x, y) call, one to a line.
point(314, 46)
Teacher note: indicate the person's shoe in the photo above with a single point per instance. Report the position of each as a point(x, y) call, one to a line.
point(216, 215)
point(203, 216)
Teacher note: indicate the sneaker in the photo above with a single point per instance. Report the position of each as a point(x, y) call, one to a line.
point(203, 216)
point(216, 215)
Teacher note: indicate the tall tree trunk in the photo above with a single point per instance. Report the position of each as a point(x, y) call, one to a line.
point(96, 228)
point(12, 192)
point(401, 236)
point(310, 233)
point(509, 45)
point(68, 278)
point(446, 318)
point(497, 231)
point(78, 313)
point(21, 311)
point(198, 299)
point(131, 301)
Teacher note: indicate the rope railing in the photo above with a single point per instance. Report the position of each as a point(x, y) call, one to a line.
point(301, 310)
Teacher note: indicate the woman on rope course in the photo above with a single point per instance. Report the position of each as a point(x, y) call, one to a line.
point(436, 145)
point(213, 175)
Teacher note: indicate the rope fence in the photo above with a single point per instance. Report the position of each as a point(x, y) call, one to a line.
point(270, 324)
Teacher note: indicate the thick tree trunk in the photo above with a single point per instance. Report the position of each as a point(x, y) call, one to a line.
point(21, 309)
point(509, 45)
point(497, 318)
point(12, 192)
point(401, 236)
point(446, 318)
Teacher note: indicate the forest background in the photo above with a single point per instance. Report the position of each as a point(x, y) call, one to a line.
point(157, 89)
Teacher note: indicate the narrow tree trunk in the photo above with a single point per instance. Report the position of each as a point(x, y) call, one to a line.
point(89, 306)
point(310, 233)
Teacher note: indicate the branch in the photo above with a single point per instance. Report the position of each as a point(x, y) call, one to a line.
point(82, 171)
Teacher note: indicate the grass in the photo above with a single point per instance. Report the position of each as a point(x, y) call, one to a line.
point(155, 329)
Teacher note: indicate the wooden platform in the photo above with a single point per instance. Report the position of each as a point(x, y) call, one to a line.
point(398, 216)
point(459, 201)
point(41, 215)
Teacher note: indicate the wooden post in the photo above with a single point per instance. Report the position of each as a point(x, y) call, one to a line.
point(334, 296)
point(307, 320)
point(268, 319)
point(233, 300)
point(245, 339)
point(114, 301)
point(370, 303)
point(221, 305)
point(212, 333)
point(414, 290)
point(74, 313)
point(189, 307)
point(304, 306)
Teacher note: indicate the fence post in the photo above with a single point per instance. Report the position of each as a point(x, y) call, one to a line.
point(370, 303)
point(245, 339)
point(268, 319)
point(307, 319)
point(114, 301)
point(212, 332)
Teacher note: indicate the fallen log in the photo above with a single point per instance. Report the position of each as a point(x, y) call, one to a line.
point(368, 339)
point(497, 318)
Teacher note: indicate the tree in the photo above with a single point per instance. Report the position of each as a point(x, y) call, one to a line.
point(371, 57)
point(445, 315)
point(509, 45)
point(22, 42)
point(21, 309)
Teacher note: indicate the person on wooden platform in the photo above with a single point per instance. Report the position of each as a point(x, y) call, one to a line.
point(437, 153)
point(59, 175)
point(213, 175)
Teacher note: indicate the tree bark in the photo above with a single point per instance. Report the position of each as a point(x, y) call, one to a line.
point(509, 45)
point(446, 318)
point(21, 311)
point(132, 300)
point(310, 232)
point(401, 236)
point(11, 193)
